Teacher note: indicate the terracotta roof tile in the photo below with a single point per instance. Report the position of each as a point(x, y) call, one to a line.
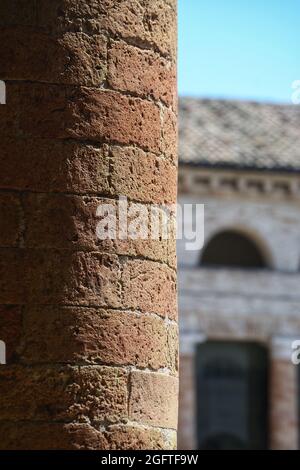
point(239, 134)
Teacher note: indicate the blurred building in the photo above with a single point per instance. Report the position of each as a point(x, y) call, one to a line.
point(239, 297)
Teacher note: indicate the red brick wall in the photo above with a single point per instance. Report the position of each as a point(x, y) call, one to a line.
point(187, 425)
point(284, 405)
point(90, 326)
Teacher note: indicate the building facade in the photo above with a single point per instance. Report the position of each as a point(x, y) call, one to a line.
point(239, 298)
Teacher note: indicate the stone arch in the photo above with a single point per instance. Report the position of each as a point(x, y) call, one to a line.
point(236, 246)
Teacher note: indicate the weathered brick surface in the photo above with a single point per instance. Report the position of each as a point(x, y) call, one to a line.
point(97, 336)
point(63, 112)
point(59, 277)
point(12, 289)
point(90, 115)
point(74, 58)
point(152, 23)
point(150, 287)
point(86, 278)
point(142, 72)
point(60, 436)
point(155, 250)
point(142, 176)
point(50, 436)
point(11, 330)
point(64, 166)
point(11, 219)
point(139, 438)
point(169, 134)
point(63, 393)
point(72, 223)
point(59, 166)
point(148, 404)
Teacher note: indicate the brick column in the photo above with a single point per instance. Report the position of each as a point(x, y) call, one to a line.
point(90, 325)
point(284, 397)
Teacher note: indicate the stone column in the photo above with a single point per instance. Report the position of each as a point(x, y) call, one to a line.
point(284, 397)
point(90, 325)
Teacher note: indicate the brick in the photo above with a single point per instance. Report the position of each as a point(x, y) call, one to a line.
point(97, 336)
point(151, 249)
point(164, 251)
point(142, 176)
point(63, 393)
point(48, 436)
point(61, 277)
point(169, 142)
point(11, 330)
point(154, 246)
point(10, 219)
point(77, 436)
point(173, 347)
point(142, 72)
point(151, 24)
point(138, 438)
point(12, 276)
point(60, 221)
point(74, 58)
point(63, 166)
point(64, 112)
point(154, 25)
point(59, 166)
point(150, 287)
point(153, 399)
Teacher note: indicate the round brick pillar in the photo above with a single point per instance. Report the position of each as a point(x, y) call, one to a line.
point(90, 325)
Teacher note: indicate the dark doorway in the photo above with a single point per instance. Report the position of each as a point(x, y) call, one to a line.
point(232, 249)
point(232, 395)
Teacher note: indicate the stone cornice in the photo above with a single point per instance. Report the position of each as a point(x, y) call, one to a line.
point(257, 184)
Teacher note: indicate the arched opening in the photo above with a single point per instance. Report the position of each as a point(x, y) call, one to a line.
point(232, 249)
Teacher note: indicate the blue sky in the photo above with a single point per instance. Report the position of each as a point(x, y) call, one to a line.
point(241, 49)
